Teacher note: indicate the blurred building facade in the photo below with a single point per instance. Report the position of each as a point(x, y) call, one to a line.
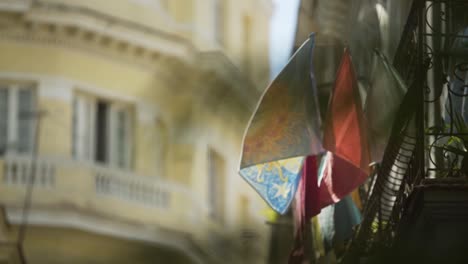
point(136, 109)
point(362, 25)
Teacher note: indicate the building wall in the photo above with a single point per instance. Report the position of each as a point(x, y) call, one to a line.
point(188, 95)
point(361, 25)
point(75, 246)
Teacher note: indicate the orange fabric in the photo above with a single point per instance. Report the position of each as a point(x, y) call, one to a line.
point(345, 129)
point(346, 164)
point(357, 199)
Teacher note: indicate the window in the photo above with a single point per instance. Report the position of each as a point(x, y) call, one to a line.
point(216, 181)
point(83, 136)
point(219, 21)
point(102, 122)
point(247, 24)
point(120, 139)
point(456, 100)
point(102, 131)
point(17, 119)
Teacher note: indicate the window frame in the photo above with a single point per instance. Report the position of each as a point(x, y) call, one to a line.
point(112, 108)
point(13, 117)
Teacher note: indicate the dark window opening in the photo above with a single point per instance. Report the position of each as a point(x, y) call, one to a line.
point(102, 117)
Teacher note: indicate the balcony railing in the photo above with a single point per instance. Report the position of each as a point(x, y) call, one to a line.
point(19, 171)
point(99, 190)
point(132, 188)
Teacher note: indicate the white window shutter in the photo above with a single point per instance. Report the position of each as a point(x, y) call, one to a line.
point(12, 137)
point(111, 136)
point(129, 139)
point(3, 119)
point(75, 146)
point(83, 128)
point(126, 138)
point(89, 123)
point(26, 120)
point(119, 137)
point(78, 126)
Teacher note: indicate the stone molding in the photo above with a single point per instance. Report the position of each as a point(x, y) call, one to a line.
point(96, 224)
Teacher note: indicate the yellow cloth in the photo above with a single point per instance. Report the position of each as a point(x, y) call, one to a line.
point(357, 199)
point(270, 214)
point(317, 237)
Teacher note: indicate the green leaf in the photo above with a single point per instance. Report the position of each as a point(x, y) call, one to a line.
point(453, 150)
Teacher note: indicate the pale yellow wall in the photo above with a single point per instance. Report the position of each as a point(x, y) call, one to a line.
point(234, 34)
point(93, 69)
point(258, 52)
point(181, 160)
point(55, 127)
point(147, 13)
point(145, 149)
point(182, 10)
point(68, 245)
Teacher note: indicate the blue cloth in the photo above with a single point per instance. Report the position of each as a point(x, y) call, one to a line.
point(337, 222)
point(276, 182)
point(346, 216)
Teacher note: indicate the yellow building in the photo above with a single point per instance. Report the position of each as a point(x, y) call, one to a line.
point(136, 109)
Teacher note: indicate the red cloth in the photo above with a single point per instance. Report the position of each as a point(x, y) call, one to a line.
point(346, 163)
point(345, 137)
point(310, 196)
point(345, 129)
point(307, 205)
point(340, 178)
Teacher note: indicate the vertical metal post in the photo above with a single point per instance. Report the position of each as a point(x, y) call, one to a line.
point(420, 81)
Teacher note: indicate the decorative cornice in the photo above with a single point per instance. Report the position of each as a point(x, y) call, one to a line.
point(93, 20)
point(184, 72)
point(15, 27)
point(15, 5)
point(56, 23)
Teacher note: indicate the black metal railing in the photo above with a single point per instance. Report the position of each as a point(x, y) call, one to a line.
point(430, 135)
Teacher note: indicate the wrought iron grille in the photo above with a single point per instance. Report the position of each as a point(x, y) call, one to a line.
point(446, 45)
point(430, 135)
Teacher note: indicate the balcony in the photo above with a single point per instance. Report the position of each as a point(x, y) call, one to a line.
point(88, 191)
